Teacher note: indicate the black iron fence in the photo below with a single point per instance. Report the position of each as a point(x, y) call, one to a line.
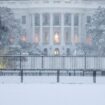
point(52, 66)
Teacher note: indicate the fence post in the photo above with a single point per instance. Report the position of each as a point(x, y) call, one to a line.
point(58, 75)
point(63, 62)
point(74, 72)
point(21, 70)
point(94, 76)
point(42, 62)
point(85, 64)
point(21, 75)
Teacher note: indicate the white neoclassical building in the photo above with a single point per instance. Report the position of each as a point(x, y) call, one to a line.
point(54, 26)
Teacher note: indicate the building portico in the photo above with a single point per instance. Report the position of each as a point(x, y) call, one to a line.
point(54, 26)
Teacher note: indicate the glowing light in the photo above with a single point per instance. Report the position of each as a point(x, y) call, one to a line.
point(36, 39)
point(2, 66)
point(23, 38)
point(89, 40)
point(75, 39)
point(56, 51)
point(56, 38)
point(11, 39)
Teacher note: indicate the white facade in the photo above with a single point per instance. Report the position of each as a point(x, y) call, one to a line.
point(54, 26)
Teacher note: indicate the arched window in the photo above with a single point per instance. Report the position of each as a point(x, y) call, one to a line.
point(68, 51)
point(45, 51)
point(56, 51)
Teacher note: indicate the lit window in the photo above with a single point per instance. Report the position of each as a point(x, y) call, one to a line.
point(67, 35)
point(67, 19)
point(37, 19)
point(75, 39)
point(56, 38)
point(89, 40)
point(76, 20)
point(36, 39)
point(56, 19)
point(37, 36)
point(23, 38)
point(46, 19)
point(56, 52)
point(23, 19)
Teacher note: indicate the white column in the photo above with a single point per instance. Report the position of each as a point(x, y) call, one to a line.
point(33, 26)
point(33, 35)
point(80, 34)
point(29, 28)
point(62, 29)
point(51, 29)
point(83, 25)
point(41, 36)
point(72, 27)
point(62, 34)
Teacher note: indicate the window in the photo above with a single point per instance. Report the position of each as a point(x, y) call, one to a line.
point(46, 35)
point(76, 20)
point(68, 51)
point(37, 36)
point(23, 19)
point(67, 19)
point(37, 19)
point(56, 52)
point(76, 38)
point(23, 38)
point(45, 51)
point(56, 19)
point(88, 19)
point(76, 31)
point(36, 39)
point(56, 36)
point(46, 19)
point(67, 35)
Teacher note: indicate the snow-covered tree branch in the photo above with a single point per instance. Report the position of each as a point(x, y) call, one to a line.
point(97, 30)
point(9, 27)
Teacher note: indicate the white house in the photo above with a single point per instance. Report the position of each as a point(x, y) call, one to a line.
point(54, 26)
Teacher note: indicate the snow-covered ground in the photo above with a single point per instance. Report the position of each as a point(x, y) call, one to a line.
point(51, 79)
point(52, 94)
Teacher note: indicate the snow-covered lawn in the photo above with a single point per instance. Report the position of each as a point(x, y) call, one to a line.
point(52, 79)
point(52, 94)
